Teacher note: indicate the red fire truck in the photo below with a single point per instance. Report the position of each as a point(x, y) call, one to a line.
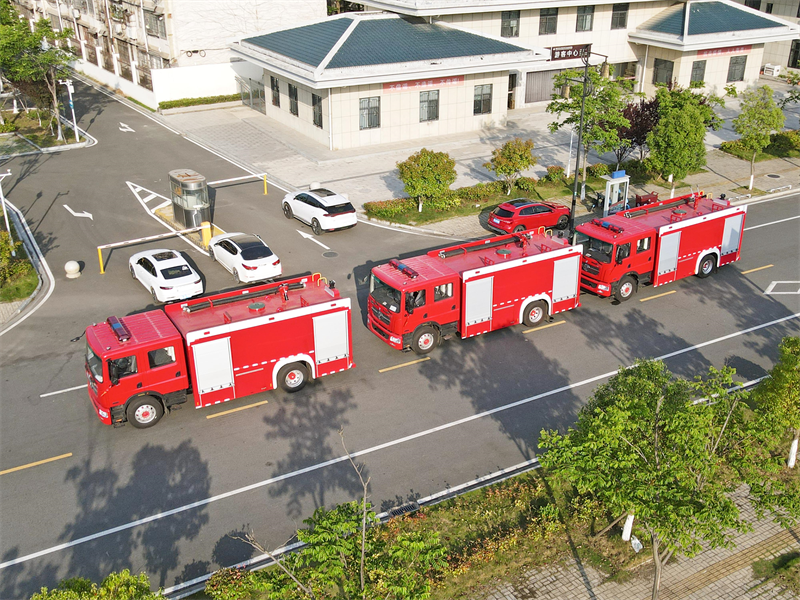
point(472, 288)
point(218, 348)
point(658, 243)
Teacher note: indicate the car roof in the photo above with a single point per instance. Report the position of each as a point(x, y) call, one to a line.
point(247, 240)
point(520, 202)
point(160, 256)
point(328, 198)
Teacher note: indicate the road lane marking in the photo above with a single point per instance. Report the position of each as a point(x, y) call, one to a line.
point(312, 238)
point(373, 449)
point(37, 463)
point(544, 326)
point(772, 223)
point(408, 364)
point(657, 296)
point(757, 269)
point(233, 410)
point(770, 291)
point(72, 389)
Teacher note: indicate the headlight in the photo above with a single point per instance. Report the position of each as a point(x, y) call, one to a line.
point(394, 339)
point(602, 286)
point(102, 413)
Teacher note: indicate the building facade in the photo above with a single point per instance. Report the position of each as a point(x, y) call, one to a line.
point(784, 54)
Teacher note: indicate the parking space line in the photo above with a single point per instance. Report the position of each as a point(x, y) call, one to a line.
point(408, 364)
point(72, 389)
point(757, 269)
point(544, 327)
point(657, 296)
point(36, 464)
point(233, 410)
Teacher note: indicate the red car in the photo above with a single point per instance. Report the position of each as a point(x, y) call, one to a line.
point(522, 213)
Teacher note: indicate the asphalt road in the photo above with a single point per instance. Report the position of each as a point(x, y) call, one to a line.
point(163, 500)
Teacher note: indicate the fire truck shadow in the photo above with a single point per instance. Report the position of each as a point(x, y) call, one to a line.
point(161, 478)
point(501, 369)
point(310, 423)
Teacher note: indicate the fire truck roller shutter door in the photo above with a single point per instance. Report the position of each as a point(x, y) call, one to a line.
point(565, 278)
point(479, 301)
point(668, 254)
point(212, 364)
point(732, 234)
point(330, 337)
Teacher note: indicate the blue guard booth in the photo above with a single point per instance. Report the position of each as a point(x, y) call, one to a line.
point(190, 203)
point(616, 196)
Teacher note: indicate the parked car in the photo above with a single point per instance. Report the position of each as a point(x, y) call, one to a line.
point(166, 274)
point(323, 209)
point(522, 213)
point(246, 256)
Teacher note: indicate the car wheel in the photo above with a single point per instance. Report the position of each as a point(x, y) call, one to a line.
point(519, 228)
point(627, 288)
point(211, 254)
point(563, 221)
point(144, 412)
point(133, 274)
point(425, 339)
point(707, 266)
point(236, 276)
point(155, 296)
point(287, 210)
point(293, 377)
point(534, 313)
point(315, 227)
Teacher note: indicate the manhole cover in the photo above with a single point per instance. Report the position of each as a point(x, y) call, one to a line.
point(774, 176)
point(330, 254)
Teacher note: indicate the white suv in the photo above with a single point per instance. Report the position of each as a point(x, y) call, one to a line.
point(323, 209)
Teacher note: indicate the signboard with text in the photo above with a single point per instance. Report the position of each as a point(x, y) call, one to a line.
point(568, 52)
point(423, 84)
point(725, 51)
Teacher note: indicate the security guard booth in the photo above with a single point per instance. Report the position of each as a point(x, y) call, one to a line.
point(190, 203)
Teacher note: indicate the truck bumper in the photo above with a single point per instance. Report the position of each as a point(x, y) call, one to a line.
point(394, 341)
point(596, 287)
point(103, 414)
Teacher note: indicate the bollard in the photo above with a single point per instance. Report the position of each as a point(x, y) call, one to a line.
point(73, 269)
point(205, 232)
point(626, 531)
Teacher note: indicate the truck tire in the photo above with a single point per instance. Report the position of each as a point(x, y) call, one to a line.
point(425, 339)
point(534, 313)
point(563, 221)
point(144, 411)
point(287, 210)
point(315, 227)
point(707, 266)
point(626, 289)
point(293, 377)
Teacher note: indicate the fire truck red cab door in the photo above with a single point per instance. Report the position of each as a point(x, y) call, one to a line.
point(668, 250)
point(214, 372)
point(478, 295)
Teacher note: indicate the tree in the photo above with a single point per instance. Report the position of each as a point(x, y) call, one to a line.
point(642, 116)
point(510, 160)
point(642, 446)
point(427, 174)
point(117, 586)
point(677, 142)
point(759, 117)
point(793, 79)
point(603, 111)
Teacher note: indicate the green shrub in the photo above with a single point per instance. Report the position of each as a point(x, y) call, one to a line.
point(427, 174)
point(10, 266)
point(388, 209)
point(8, 127)
point(784, 141)
point(599, 170)
point(229, 584)
point(526, 184)
point(445, 201)
point(480, 191)
point(198, 101)
point(636, 167)
point(555, 174)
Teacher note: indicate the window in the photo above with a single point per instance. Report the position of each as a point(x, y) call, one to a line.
point(754, 4)
point(548, 19)
point(369, 112)
point(698, 70)
point(509, 23)
point(276, 91)
point(161, 357)
point(155, 25)
point(316, 105)
point(768, 10)
point(443, 292)
point(122, 367)
point(736, 68)
point(585, 18)
point(482, 104)
point(643, 245)
point(414, 300)
point(293, 99)
point(794, 55)
point(429, 106)
point(619, 16)
point(662, 71)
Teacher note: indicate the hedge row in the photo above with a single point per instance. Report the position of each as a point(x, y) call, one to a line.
point(780, 144)
point(198, 101)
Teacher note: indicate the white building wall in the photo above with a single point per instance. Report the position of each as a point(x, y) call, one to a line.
point(200, 81)
point(304, 121)
point(777, 53)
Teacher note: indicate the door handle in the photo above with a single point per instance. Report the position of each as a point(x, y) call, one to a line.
point(178, 374)
point(138, 385)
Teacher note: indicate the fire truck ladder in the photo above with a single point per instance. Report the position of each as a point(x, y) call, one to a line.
point(519, 237)
point(646, 210)
point(203, 304)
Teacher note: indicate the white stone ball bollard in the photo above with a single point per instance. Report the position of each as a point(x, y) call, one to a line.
point(73, 269)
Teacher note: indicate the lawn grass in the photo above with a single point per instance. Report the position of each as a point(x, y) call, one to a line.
point(783, 571)
point(22, 285)
point(28, 126)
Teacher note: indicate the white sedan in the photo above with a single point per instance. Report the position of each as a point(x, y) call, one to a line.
point(323, 209)
point(166, 274)
point(246, 256)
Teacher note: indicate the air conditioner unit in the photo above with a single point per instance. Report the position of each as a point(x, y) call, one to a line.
point(772, 70)
point(119, 28)
point(132, 32)
point(76, 13)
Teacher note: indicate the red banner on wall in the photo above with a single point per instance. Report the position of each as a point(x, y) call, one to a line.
point(725, 51)
point(423, 84)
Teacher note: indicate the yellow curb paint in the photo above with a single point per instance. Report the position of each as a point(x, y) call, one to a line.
point(658, 296)
point(408, 364)
point(757, 269)
point(233, 410)
point(37, 463)
point(544, 326)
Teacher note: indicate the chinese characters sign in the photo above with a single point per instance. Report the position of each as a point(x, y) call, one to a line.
point(725, 51)
point(568, 52)
point(424, 84)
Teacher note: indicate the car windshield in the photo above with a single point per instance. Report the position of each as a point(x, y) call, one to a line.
point(384, 294)
point(503, 213)
point(340, 209)
point(253, 248)
point(94, 363)
point(594, 248)
point(322, 192)
point(166, 255)
point(176, 272)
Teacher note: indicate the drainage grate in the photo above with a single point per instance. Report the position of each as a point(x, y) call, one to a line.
point(403, 509)
point(330, 254)
point(773, 175)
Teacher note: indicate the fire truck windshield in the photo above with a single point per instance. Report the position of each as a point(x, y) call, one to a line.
point(384, 294)
point(94, 363)
point(593, 248)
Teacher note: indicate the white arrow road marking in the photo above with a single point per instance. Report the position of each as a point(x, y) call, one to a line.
point(785, 284)
point(123, 127)
point(312, 238)
point(80, 214)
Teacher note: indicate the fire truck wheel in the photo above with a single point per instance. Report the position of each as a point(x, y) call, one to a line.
point(315, 227)
point(287, 211)
point(707, 266)
point(534, 313)
point(519, 228)
point(627, 288)
point(144, 412)
point(563, 221)
point(293, 377)
point(426, 338)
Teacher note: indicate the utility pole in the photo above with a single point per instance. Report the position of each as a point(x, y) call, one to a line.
point(70, 89)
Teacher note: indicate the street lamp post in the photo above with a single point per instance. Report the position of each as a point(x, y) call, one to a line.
point(70, 89)
point(5, 214)
point(585, 92)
